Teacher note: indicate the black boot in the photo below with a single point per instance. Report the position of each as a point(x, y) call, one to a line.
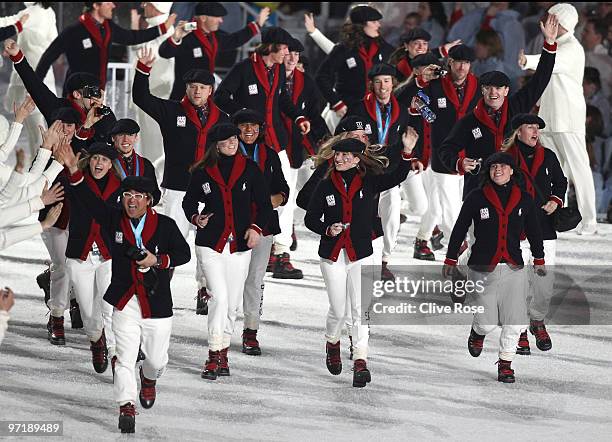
point(284, 269)
point(385, 273)
point(436, 239)
point(250, 344)
point(224, 363)
point(202, 302)
point(333, 360)
point(44, 282)
point(538, 329)
point(422, 250)
point(361, 374)
point(99, 354)
point(475, 343)
point(505, 374)
point(76, 322)
point(147, 391)
point(294, 244)
point(127, 418)
point(523, 345)
point(211, 367)
point(55, 330)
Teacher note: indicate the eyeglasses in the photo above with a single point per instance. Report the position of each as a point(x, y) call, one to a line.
point(136, 196)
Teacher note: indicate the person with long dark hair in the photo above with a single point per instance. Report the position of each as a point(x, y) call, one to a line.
point(500, 211)
point(236, 209)
point(546, 183)
point(341, 211)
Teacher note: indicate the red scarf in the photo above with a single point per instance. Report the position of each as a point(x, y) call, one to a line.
point(367, 57)
point(530, 174)
point(347, 213)
point(261, 72)
point(92, 27)
point(404, 67)
point(94, 230)
point(480, 112)
point(370, 104)
point(298, 88)
point(238, 167)
point(210, 46)
point(137, 286)
point(135, 158)
point(192, 115)
point(79, 109)
point(471, 87)
point(502, 217)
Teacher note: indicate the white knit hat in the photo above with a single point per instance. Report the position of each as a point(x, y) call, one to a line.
point(163, 7)
point(567, 15)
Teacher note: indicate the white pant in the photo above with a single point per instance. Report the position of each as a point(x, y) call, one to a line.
point(16, 94)
point(414, 196)
point(56, 240)
point(151, 145)
point(225, 275)
point(90, 279)
point(254, 285)
point(172, 203)
point(571, 150)
point(283, 240)
point(504, 302)
point(540, 287)
point(343, 282)
point(389, 205)
point(132, 332)
point(445, 195)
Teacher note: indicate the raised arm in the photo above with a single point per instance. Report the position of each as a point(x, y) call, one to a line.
point(141, 94)
point(130, 37)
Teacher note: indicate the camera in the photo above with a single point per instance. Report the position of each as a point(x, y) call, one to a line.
point(191, 26)
point(440, 72)
point(149, 275)
point(103, 111)
point(91, 92)
point(136, 253)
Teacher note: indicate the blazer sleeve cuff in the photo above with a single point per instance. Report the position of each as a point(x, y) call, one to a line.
point(17, 58)
point(254, 27)
point(194, 218)
point(76, 178)
point(407, 156)
point(420, 81)
point(443, 52)
point(174, 43)
point(162, 28)
point(339, 105)
point(556, 199)
point(285, 198)
point(458, 167)
point(450, 262)
point(19, 26)
point(538, 261)
point(256, 228)
point(164, 261)
point(143, 68)
point(552, 48)
point(85, 134)
point(300, 119)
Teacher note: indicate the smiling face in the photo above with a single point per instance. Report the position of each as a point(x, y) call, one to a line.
point(529, 133)
point(372, 28)
point(208, 24)
point(278, 57)
point(249, 132)
point(382, 86)
point(345, 161)
point(291, 60)
point(99, 165)
point(124, 143)
point(228, 147)
point(500, 173)
point(135, 203)
point(494, 96)
point(68, 129)
point(416, 47)
point(198, 93)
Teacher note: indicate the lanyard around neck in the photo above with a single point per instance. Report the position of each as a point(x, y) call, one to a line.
point(123, 171)
point(138, 230)
point(382, 131)
point(255, 152)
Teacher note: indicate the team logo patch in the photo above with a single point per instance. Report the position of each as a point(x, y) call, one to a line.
point(119, 237)
point(197, 52)
point(442, 103)
point(476, 132)
point(206, 188)
point(484, 213)
point(331, 201)
point(253, 89)
point(351, 63)
point(181, 121)
point(87, 43)
point(368, 129)
point(359, 125)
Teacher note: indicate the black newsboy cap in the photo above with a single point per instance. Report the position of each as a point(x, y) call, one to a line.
point(349, 145)
point(415, 34)
point(212, 9)
point(275, 35)
point(100, 148)
point(199, 76)
point(494, 78)
point(521, 119)
point(364, 13)
point(499, 158)
point(66, 115)
point(138, 183)
point(247, 116)
point(125, 126)
point(220, 132)
point(78, 80)
point(382, 69)
point(462, 52)
point(349, 124)
point(295, 45)
point(424, 60)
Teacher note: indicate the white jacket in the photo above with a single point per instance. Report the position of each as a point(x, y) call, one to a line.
point(562, 105)
point(38, 33)
point(13, 235)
